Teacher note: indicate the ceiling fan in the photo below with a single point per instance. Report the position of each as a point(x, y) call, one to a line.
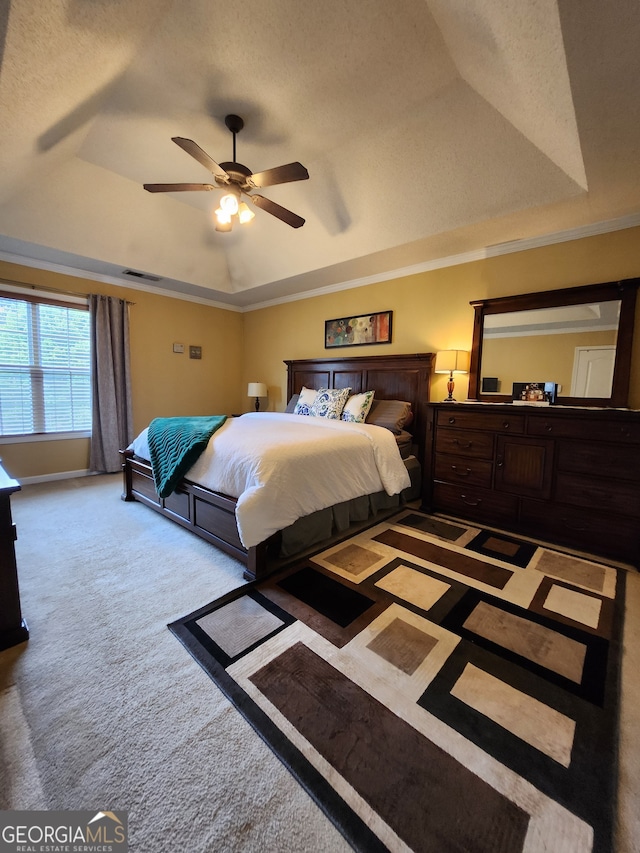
point(239, 181)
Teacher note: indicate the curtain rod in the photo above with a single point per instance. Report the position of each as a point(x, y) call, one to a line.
point(30, 286)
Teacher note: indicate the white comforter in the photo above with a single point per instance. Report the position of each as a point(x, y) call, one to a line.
point(282, 467)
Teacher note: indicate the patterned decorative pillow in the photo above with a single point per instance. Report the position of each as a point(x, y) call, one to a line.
point(357, 407)
point(306, 400)
point(330, 402)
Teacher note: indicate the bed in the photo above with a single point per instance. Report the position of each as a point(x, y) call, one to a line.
point(211, 514)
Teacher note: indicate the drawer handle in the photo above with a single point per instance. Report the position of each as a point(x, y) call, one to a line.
point(458, 473)
point(476, 502)
point(548, 427)
point(452, 420)
point(506, 425)
point(463, 445)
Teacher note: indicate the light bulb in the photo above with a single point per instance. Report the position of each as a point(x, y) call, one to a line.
point(245, 214)
point(222, 220)
point(229, 203)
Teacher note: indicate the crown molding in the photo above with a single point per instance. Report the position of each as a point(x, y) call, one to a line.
point(578, 233)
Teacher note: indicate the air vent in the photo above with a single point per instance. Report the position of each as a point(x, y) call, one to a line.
point(143, 275)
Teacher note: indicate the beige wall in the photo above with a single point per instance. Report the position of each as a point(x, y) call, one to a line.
point(431, 310)
point(163, 383)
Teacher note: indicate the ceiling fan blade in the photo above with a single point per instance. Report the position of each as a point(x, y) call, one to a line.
point(279, 175)
point(201, 156)
point(274, 209)
point(177, 188)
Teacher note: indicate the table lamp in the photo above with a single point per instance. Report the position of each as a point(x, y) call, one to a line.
point(257, 390)
point(451, 361)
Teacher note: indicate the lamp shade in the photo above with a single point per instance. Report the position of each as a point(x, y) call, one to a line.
point(257, 389)
point(452, 361)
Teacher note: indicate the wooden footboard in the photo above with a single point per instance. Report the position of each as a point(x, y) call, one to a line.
point(210, 515)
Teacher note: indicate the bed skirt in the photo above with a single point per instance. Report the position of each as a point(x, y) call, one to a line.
point(321, 525)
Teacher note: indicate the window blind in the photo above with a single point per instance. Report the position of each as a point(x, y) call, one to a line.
point(45, 364)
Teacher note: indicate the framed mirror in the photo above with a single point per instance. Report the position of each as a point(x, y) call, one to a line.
point(576, 340)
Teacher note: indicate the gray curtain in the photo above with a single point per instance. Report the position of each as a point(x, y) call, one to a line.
point(112, 427)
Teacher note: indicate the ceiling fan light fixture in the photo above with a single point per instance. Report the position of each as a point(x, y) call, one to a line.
point(245, 214)
point(229, 204)
point(223, 224)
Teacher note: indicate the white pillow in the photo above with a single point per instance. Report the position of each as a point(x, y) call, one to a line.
point(357, 407)
point(329, 402)
point(305, 401)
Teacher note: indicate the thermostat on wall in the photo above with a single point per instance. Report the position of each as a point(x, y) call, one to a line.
point(195, 352)
point(178, 347)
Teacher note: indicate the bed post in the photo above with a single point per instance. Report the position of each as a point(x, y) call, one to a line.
point(127, 494)
point(256, 565)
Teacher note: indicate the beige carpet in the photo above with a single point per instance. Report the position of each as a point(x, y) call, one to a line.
point(102, 708)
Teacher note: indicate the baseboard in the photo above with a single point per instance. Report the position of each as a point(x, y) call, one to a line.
point(60, 475)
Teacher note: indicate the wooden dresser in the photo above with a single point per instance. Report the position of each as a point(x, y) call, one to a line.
point(566, 475)
point(13, 628)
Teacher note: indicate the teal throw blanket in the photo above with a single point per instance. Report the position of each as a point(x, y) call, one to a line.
point(175, 444)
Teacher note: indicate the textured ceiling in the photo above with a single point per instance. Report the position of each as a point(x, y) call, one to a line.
point(430, 128)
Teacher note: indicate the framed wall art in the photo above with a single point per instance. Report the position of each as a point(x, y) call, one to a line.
point(358, 331)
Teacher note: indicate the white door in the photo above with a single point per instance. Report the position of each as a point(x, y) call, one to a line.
point(593, 371)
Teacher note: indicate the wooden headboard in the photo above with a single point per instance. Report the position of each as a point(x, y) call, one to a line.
point(392, 377)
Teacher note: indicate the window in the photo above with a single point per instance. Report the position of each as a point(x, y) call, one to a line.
point(45, 364)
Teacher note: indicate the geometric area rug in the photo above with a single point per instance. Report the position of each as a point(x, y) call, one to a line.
point(433, 686)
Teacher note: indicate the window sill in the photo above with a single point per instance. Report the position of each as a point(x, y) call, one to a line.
point(44, 436)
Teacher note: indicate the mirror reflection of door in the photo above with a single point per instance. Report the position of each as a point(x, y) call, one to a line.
point(593, 371)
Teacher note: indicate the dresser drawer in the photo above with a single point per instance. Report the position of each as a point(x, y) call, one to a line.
point(503, 421)
point(478, 445)
point(476, 504)
point(461, 469)
point(615, 461)
point(599, 493)
point(585, 429)
point(583, 529)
